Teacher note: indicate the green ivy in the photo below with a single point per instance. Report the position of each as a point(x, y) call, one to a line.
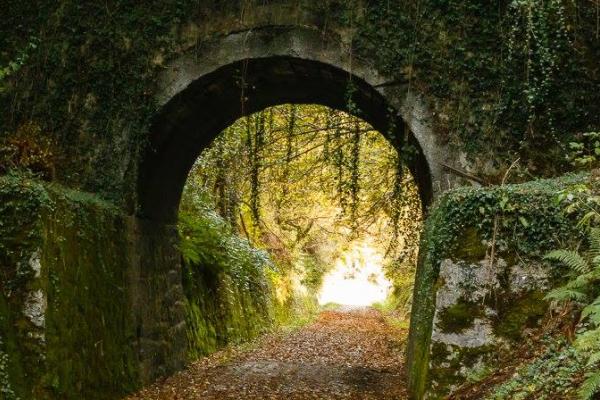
point(502, 78)
point(553, 374)
point(524, 216)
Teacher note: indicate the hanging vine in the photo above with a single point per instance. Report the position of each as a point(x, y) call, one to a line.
point(339, 164)
point(355, 173)
point(537, 39)
point(220, 184)
point(255, 152)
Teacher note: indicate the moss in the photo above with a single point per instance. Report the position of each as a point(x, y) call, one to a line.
point(471, 248)
point(459, 316)
point(88, 331)
point(21, 202)
point(12, 376)
point(450, 361)
point(516, 315)
point(525, 213)
point(421, 320)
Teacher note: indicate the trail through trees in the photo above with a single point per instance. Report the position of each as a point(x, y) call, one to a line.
point(345, 354)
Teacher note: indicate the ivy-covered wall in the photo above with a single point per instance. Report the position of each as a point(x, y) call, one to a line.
point(515, 78)
point(481, 279)
point(504, 79)
point(93, 303)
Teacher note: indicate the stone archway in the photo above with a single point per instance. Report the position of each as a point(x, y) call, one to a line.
point(219, 81)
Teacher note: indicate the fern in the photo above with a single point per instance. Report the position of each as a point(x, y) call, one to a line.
point(590, 386)
point(581, 282)
point(594, 360)
point(580, 289)
point(592, 312)
point(588, 341)
point(571, 259)
point(595, 274)
point(594, 239)
point(564, 294)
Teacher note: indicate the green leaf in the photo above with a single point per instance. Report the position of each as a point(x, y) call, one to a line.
point(571, 259)
point(563, 295)
point(523, 221)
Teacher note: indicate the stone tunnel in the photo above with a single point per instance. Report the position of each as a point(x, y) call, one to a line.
point(130, 327)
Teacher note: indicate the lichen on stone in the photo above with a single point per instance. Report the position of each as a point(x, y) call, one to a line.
point(35, 308)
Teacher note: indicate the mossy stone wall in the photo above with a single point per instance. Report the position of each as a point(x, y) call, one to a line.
point(67, 326)
point(221, 311)
point(481, 278)
point(93, 303)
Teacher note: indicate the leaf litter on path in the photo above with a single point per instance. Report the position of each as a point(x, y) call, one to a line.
point(344, 354)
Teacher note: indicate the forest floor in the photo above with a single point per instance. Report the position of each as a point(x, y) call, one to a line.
point(345, 354)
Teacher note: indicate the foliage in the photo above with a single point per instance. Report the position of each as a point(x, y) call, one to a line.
point(553, 374)
point(582, 199)
point(586, 152)
point(207, 241)
point(498, 75)
point(305, 182)
point(30, 150)
point(526, 213)
point(13, 66)
point(84, 73)
point(401, 273)
point(233, 290)
point(582, 289)
point(507, 77)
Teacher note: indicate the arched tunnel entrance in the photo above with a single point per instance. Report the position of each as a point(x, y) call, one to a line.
point(194, 115)
point(190, 121)
point(223, 79)
point(305, 221)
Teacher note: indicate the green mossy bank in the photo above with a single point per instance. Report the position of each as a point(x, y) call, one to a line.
point(94, 304)
point(67, 328)
point(481, 279)
point(228, 284)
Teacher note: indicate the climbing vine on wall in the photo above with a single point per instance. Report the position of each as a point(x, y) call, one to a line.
point(538, 38)
point(504, 77)
point(85, 75)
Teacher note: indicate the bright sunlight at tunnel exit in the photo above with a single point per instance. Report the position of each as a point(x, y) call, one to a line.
point(317, 192)
point(357, 278)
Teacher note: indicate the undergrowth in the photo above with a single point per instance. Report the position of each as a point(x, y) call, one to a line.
point(234, 291)
point(554, 374)
point(582, 291)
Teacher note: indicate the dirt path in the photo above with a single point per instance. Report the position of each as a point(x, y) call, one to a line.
point(351, 354)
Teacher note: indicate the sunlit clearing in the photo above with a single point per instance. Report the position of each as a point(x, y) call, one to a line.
point(357, 278)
